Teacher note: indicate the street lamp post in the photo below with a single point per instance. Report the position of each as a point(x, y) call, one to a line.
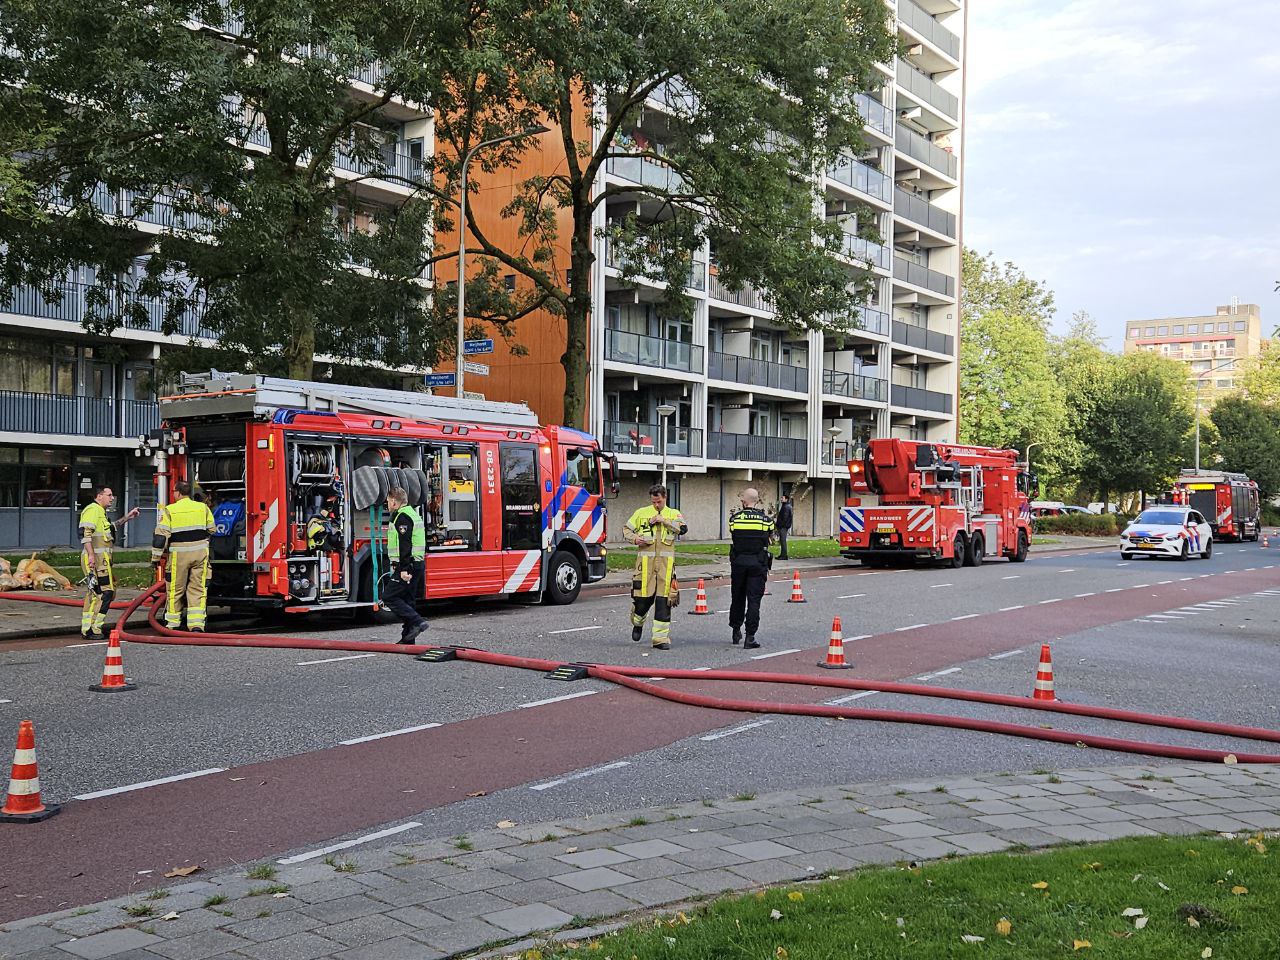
point(665, 410)
point(833, 433)
point(462, 240)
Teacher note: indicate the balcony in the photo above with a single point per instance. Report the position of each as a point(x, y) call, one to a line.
point(22, 412)
point(645, 351)
point(924, 89)
point(645, 171)
point(71, 305)
point(869, 320)
point(918, 148)
point(858, 176)
point(628, 438)
point(921, 211)
point(920, 399)
point(856, 248)
point(878, 116)
point(844, 452)
point(922, 339)
point(392, 164)
point(856, 386)
point(159, 208)
point(748, 296)
point(750, 448)
point(757, 373)
point(929, 28)
point(697, 268)
point(922, 276)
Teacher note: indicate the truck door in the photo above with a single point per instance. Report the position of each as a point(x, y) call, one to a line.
point(522, 519)
point(576, 506)
point(460, 563)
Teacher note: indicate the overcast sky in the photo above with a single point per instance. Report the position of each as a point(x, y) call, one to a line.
point(1127, 152)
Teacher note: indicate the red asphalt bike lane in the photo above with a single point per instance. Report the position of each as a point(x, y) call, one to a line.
point(94, 849)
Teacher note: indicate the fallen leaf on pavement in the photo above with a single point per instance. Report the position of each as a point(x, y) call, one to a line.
point(1228, 759)
point(570, 849)
point(1080, 944)
point(479, 793)
point(506, 824)
point(1004, 927)
point(183, 871)
point(278, 896)
point(171, 916)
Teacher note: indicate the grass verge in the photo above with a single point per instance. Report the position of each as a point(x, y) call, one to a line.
point(1200, 897)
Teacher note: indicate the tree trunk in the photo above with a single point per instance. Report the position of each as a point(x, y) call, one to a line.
point(300, 350)
point(576, 360)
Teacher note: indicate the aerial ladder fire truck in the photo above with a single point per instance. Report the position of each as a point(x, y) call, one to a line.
point(1228, 501)
point(297, 474)
point(939, 502)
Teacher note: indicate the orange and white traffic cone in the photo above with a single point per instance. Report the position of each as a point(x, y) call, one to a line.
point(1265, 542)
point(113, 680)
point(700, 601)
point(23, 803)
point(1044, 676)
point(835, 649)
point(797, 595)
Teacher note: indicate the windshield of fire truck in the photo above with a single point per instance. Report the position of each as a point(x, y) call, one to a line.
point(581, 468)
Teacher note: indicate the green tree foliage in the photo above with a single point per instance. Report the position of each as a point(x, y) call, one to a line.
point(1248, 440)
point(1260, 376)
point(758, 93)
point(989, 285)
point(232, 128)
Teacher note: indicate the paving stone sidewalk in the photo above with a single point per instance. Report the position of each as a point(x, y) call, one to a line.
point(489, 891)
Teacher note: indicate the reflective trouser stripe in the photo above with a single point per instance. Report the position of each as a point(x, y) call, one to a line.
point(172, 612)
point(197, 593)
point(188, 589)
point(94, 615)
point(637, 619)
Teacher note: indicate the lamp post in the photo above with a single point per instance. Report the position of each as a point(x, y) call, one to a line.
point(1199, 383)
point(833, 433)
point(462, 239)
point(665, 410)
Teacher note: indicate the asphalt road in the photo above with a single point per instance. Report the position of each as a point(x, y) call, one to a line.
point(1195, 638)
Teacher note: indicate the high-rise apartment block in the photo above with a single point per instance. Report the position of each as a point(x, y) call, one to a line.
point(1213, 347)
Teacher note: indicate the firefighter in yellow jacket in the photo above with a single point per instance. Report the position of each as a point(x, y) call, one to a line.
point(97, 537)
point(183, 533)
point(653, 529)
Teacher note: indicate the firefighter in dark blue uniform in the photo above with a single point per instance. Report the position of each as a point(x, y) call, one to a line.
point(752, 531)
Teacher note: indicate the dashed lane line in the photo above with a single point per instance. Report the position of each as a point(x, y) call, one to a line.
point(1054, 600)
point(574, 630)
point(833, 576)
point(1001, 656)
point(743, 728)
point(1013, 576)
point(967, 616)
point(935, 586)
point(567, 696)
point(776, 653)
point(354, 656)
point(851, 596)
point(1016, 606)
point(851, 697)
point(940, 673)
point(389, 733)
point(1113, 590)
point(346, 844)
point(73, 646)
point(1082, 595)
point(581, 774)
point(914, 626)
point(1068, 570)
point(148, 783)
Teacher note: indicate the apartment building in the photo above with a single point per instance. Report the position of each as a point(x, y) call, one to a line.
point(1213, 347)
point(752, 401)
point(72, 406)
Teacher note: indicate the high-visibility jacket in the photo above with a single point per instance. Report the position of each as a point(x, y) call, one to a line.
point(185, 526)
point(406, 521)
point(655, 562)
point(95, 528)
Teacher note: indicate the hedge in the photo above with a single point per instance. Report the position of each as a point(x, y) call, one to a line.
point(1080, 524)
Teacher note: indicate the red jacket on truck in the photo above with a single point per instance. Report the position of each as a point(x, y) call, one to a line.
point(938, 501)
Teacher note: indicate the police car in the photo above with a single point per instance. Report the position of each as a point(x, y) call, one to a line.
point(1167, 531)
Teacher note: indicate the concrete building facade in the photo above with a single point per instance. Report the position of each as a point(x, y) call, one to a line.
point(1213, 347)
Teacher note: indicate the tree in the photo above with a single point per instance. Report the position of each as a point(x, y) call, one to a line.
point(1248, 440)
point(1079, 363)
point(241, 142)
point(1260, 376)
point(760, 96)
point(987, 285)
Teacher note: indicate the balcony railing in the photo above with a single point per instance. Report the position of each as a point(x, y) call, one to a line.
point(840, 384)
point(697, 268)
point(858, 176)
point(72, 305)
point(844, 452)
point(628, 438)
point(919, 399)
point(918, 148)
point(757, 373)
point(923, 88)
point(748, 296)
point(645, 171)
point(391, 163)
point(22, 412)
point(748, 447)
point(921, 211)
point(922, 339)
point(929, 28)
point(623, 347)
point(159, 208)
point(877, 115)
point(856, 248)
point(924, 277)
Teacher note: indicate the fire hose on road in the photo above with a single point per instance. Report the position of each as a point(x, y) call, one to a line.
point(631, 678)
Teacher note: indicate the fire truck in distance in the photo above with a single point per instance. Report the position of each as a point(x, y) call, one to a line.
point(1229, 501)
point(938, 502)
point(297, 474)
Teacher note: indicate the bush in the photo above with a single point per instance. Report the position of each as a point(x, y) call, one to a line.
point(1080, 524)
point(1270, 515)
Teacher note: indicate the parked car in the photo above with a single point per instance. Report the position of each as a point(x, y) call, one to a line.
point(1167, 531)
point(1053, 508)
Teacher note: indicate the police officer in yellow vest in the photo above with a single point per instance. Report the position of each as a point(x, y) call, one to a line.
point(183, 532)
point(752, 531)
point(653, 529)
point(406, 551)
point(97, 536)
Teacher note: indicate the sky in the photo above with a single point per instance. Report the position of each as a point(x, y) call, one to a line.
point(1127, 152)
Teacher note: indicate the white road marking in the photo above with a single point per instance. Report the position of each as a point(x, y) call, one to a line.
point(1161, 583)
point(940, 673)
point(73, 646)
point(580, 774)
point(967, 616)
point(334, 847)
point(1054, 600)
point(389, 733)
point(1001, 656)
point(1164, 616)
point(606, 596)
point(776, 653)
point(1144, 621)
point(1068, 570)
point(1124, 563)
point(147, 783)
point(1114, 590)
point(567, 696)
point(914, 626)
point(574, 629)
point(833, 576)
point(6, 701)
point(871, 573)
point(861, 636)
point(1189, 613)
point(851, 697)
point(935, 586)
point(702, 668)
point(1139, 586)
point(851, 596)
point(722, 611)
point(1080, 595)
point(1016, 606)
point(354, 656)
point(740, 729)
point(1014, 576)
point(1185, 579)
point(1250, 569)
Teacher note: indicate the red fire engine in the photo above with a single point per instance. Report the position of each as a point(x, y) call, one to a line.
point(939, 502)
point(297, 475)
point(1229, 501)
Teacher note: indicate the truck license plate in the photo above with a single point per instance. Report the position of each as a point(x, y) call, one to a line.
point(885, 528)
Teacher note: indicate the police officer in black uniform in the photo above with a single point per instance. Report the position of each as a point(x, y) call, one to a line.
point(752, 530)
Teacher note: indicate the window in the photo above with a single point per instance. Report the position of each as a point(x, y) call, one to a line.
point(673, 491)
point(1134, 332)
point(580, 468)
point(509, 281)
point(1224, 328)
point(47, 478)
point(1177, 329)
point(1224, 384)
point(521, 499)
point(25, 366)
point(1240, 325)
point(1193, 328)
point(1149, 332)
point(1163, 331)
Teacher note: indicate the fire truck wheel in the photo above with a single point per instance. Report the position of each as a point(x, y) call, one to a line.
point(1024, 547)
point(958, 551)
point(564, 579)
point(977, 551)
